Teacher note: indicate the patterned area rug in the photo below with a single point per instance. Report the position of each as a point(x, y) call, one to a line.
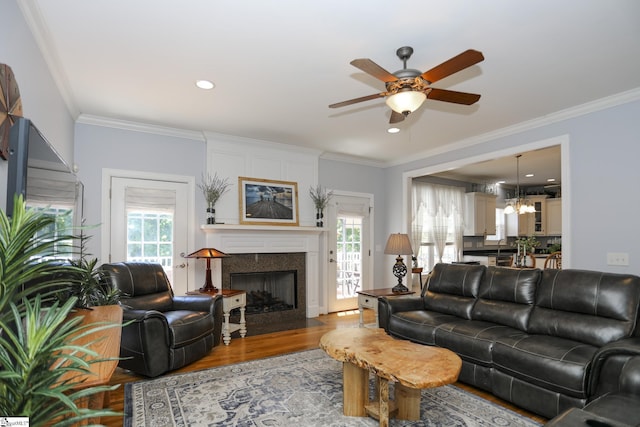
point(299, 389)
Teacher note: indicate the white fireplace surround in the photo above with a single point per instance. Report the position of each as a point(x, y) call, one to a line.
point(233, 238)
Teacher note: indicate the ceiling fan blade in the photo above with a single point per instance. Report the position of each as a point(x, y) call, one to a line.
point(453, 96)
point(356, 100)
point(396, 117)
point(370, 67)
point(455, 64)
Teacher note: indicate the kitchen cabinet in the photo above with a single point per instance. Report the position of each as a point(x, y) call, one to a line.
point(480, 214)
point(530, 224)
point(554, 217)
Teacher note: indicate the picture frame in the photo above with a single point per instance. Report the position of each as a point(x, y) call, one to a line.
point(267, 201)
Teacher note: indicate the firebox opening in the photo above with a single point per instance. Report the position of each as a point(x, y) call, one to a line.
point(269, 291)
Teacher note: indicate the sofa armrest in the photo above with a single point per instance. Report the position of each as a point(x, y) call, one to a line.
point(395, 304)
point(608, 363)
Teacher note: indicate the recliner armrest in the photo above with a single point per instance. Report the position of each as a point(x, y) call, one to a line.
point(195, 302)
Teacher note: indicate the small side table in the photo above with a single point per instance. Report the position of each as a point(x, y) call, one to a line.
point(231, 299)
point(369, 299)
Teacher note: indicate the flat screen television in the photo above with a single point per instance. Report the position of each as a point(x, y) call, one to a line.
point(40, 174)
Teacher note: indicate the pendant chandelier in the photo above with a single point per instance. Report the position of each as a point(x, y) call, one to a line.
point(519, 204)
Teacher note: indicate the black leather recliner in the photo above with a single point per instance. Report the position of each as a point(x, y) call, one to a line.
point(162, 331)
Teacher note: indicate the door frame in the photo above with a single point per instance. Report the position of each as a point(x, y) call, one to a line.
point(107, 174)
point(365, 284)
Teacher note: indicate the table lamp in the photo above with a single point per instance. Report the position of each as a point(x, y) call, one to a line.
point(208, 254)
point(399, 244)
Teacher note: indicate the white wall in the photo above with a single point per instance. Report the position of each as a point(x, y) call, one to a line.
point(41, 99)
point(604, 172)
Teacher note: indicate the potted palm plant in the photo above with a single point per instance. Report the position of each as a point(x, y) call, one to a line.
point(42, 357)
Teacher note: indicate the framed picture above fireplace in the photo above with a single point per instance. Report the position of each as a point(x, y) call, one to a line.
point(268, 202)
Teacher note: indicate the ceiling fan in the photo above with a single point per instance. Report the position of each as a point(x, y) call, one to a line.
point(407, 89)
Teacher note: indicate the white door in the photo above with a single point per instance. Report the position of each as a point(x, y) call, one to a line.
point(349, 249)
point(149, 223)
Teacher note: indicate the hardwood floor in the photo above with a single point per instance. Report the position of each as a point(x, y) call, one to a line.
point(273, 344)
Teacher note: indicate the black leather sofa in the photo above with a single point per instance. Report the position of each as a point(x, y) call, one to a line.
point(162, 331)
point(545, 340)
point(619, 407)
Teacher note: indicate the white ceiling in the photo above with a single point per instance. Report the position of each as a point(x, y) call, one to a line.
point(277, 65)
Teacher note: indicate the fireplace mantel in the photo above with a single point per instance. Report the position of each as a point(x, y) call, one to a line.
point(241, 239)
point(217, 228)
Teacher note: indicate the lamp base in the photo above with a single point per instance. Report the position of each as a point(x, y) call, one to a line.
point(399, 270)
point(400, 288)
point(209, 289)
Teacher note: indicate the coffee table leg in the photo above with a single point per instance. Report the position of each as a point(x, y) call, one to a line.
point(383, 400)
point(355, 388)
point(408, 401)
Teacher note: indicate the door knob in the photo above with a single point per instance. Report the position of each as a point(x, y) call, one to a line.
point(183, 265)
point(332, 260)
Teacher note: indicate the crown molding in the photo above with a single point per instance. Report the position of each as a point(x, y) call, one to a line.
point(353, 159)
point(40, 32)
point(139, 127)
point(569, 113)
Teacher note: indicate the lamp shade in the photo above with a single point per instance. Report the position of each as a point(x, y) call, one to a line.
point(398, 244)
point(207, 253)
point(406, 101)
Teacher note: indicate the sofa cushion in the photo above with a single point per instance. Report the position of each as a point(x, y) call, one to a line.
point(453, 288)
point(506, 296)
point(552, 363)
point(418, 325)
point(587, 306)
point(473, 340)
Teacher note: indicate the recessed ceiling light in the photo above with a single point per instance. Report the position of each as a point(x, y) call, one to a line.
point(500, 182)
point(529, 175)
point(205, 84)
point(393, 130)
point(551, 180)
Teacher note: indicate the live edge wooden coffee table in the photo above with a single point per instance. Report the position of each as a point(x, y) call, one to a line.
point(411, 366)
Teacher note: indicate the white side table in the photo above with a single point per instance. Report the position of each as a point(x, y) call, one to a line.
point(231, 299)
point(369, 299)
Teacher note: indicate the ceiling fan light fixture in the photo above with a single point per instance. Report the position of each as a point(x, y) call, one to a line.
point(405, 102)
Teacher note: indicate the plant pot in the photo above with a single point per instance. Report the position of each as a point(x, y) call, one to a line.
point(106, 343)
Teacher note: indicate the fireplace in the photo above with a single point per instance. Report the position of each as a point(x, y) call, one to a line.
point(267, 291)
point(274, 282)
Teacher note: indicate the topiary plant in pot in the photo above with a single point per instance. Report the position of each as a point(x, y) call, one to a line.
point(42, 363)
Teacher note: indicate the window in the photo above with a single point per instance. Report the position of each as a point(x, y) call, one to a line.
point(349, 255)
point(63, 225)
point(150, 238)
point(501, 231)
point(437, 223)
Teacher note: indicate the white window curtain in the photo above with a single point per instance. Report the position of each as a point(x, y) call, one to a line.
point(437, 220)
